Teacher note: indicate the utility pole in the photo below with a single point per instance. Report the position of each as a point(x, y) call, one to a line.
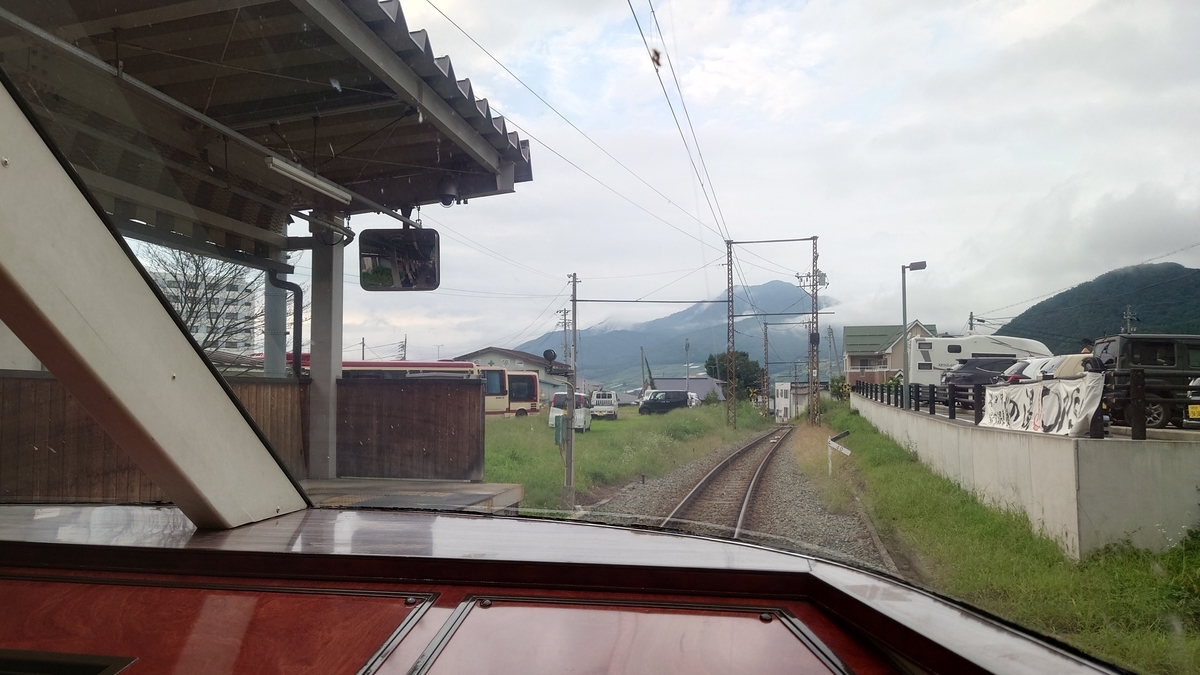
point(730, 370)
point(568, 492)
point(832, 351)
point(363, 344)
point(574, 329)
point(642, 363)
point(687, 364)
point(403, 349)
point(971, 323)
point(565, 322)
point(812, 283)
point(904, 334)
point(817, 279)
point(1129, 317)
point(766, 377)
point(814, 344)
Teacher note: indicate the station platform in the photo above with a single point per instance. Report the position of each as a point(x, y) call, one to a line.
point(400, 493)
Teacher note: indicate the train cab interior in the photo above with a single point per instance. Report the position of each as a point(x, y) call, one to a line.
point(150, 524)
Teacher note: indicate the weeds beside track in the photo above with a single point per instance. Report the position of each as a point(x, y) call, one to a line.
point(1136, 608)
point(614, 452)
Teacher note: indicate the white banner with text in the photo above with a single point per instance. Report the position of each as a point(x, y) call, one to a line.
point(1059, 407)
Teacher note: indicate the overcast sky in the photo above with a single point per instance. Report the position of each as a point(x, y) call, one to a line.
point(1020, 147)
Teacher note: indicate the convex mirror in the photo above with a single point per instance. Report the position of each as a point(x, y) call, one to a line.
point(399, 260)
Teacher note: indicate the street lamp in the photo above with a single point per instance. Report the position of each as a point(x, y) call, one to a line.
point(915, 266)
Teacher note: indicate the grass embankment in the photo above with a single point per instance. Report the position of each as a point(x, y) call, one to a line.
point(1129, 606)
point(614, 452)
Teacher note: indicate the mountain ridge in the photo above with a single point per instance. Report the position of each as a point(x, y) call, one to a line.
point(612, 355)
point(1165, 298)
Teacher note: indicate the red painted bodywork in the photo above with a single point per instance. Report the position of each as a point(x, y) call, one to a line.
point(329, 591)
point(188, 624)
point(190, 629)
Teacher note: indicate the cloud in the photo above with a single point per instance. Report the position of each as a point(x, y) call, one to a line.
point(1018, 146)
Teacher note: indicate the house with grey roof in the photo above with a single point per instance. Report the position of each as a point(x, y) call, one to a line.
point(875, 353)
point(549, 378)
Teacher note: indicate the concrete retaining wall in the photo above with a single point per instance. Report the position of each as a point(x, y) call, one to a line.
point(1084, 493)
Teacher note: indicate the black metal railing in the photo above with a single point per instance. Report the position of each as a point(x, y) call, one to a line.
point(953, 396)
point(1128, 393)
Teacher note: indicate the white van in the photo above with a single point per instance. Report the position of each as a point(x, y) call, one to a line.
point(583, 418)
point(604, 404)
point(928, 358)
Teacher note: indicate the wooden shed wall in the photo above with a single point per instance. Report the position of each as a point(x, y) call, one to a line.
point(411, 428)
point(52, 450)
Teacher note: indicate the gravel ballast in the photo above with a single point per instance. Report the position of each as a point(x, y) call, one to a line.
point(787, 512)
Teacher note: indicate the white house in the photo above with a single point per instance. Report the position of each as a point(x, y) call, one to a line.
point(790, 400)
point(874, 353)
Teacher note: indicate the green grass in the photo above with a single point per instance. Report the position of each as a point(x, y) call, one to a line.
point(1130, 606)
point(614, 452)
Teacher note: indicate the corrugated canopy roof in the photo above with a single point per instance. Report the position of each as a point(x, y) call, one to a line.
point(210, 89)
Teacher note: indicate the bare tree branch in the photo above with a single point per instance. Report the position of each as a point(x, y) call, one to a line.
point(217, 300)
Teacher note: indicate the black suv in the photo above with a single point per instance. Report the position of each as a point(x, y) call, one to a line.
point(970, 372)
point(662, 401)
point(1169, 360)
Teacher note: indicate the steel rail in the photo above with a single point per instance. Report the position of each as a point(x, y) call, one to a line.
point(711, 475)
point(737, 529)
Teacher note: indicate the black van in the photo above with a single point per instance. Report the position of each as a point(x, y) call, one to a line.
point(660, 401)
point(1168, 360)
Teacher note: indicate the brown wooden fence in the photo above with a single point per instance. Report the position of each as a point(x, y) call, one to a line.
point(52, 450)
point(411, 428)
point(279, 407)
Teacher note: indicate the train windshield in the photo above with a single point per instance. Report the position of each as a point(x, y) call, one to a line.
point(187, 320)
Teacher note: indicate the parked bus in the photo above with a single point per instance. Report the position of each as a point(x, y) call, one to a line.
point(505, 393)
point(523, 393)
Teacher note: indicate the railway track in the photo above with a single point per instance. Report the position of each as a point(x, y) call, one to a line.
point(719, 504)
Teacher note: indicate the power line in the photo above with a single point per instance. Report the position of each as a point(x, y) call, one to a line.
point(686, 114)
point(658, 302)
point(671, 283)
point(1119, 295)
point(720, 221)
point(610, 188)
point(487, 251)
point(521, 332)
point(1046, 295)
point(562, 116)
point(678, 126)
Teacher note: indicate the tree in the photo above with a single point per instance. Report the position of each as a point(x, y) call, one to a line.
point(217, 299)
point(749, 373)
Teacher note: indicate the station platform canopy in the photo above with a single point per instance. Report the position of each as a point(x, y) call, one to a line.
point(207, 125)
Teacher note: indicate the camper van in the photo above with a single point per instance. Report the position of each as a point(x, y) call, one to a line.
point(929, 357)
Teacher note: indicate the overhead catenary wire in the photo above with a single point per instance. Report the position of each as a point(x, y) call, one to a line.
point(1046, 295)
point(521, 333)
point(461, 238)
point(723, 232)
point(1111, 297)
point(717, 215)
point(561, 116)
point(681, 278)
point(687, 115)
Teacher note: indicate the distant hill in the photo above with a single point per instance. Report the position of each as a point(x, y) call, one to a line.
point(1165, 297)
point(610, 355)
